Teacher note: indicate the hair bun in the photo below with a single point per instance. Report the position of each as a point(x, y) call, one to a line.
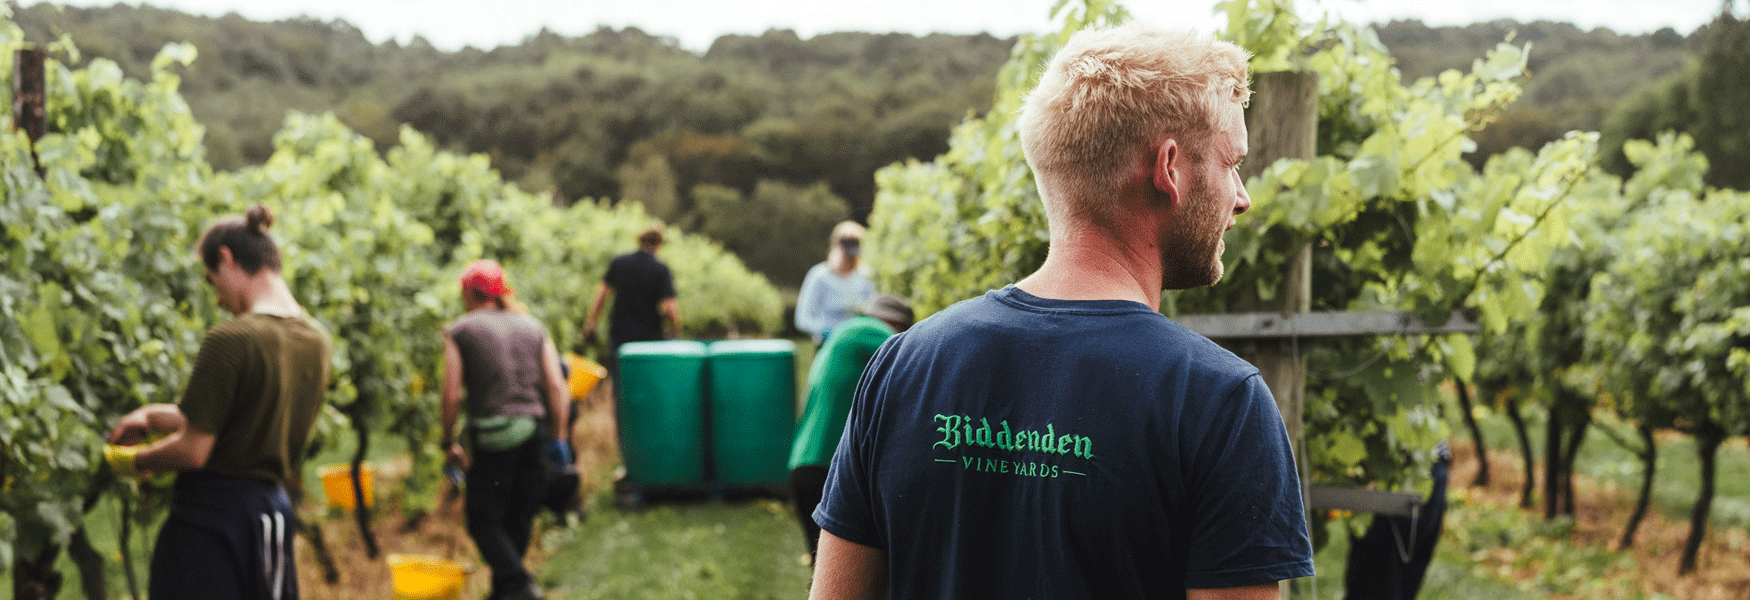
point(259, 218)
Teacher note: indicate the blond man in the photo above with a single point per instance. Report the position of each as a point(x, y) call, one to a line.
point(1060, 438)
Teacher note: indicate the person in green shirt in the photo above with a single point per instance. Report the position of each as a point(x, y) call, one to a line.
point(239, 431)
point(832, 381)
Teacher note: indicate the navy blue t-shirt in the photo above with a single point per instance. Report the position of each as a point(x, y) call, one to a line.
point(640, 285)
point(1013, 447)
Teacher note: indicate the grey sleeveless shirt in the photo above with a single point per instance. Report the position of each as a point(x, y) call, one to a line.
point(501, 363)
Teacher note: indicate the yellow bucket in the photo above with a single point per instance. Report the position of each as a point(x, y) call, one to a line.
point(426, 577)
point(337, 485)
point(585, 374)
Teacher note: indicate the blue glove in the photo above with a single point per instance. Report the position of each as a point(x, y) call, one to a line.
point(559, 452)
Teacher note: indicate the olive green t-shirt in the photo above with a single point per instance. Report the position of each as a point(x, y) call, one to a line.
point(257, 386)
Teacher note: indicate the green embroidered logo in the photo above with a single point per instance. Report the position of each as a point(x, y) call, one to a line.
point(960, 431)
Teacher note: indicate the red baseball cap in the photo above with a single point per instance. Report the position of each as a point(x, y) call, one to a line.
point(486, 277)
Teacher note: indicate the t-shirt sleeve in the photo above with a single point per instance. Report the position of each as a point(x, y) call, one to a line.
point(667, 283)
point(614, 274)
point(1248, 525)
point(847, 506)
point(211, 394)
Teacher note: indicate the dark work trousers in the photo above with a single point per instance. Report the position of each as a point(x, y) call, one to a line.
point(1390, 560)
point(807, 485)
point(504, 490)
point(226, 537)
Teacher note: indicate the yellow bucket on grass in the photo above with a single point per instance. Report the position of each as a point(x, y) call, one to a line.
point(585, 374)
point(337, 485)
point(426, 577)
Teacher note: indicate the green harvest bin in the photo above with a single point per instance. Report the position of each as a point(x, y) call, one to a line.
point(661, 412)
point(753, 410)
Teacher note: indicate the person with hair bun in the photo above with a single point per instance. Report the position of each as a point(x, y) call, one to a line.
point(502, 361)
point(238, 432)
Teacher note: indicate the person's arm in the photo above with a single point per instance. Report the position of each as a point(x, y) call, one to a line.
point(185, 450)
point(181, 449)
point(133, 427)
point(1246, 516)
point(595, 310)
point(558, 396)
point(671, 308)
point(808, 315)
point(848, 571)
point(452, 402)
point(1262, 591)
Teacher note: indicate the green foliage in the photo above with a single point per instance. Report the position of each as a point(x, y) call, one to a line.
point(101, 309)
point(1669, 317)
point(772, 229)
point(566, 114)
point(103, 303)
point(1704, 100)
point(1577, 75)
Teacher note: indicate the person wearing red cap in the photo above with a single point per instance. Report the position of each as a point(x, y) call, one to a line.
point(503, 361)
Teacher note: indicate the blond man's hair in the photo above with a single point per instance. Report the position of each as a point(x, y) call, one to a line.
point(1111, 94)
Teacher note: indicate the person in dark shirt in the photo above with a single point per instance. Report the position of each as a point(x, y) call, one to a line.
point(1060, 438)
point(644, 298)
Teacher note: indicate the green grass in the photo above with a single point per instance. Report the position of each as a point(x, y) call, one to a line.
point(752, 550)
point(743, 550)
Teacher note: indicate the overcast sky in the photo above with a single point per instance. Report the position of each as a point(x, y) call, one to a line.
point(452, 24)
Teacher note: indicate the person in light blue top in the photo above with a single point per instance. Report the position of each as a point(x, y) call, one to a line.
point(833, 290)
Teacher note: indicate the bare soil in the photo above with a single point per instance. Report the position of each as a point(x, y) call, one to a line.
point(1602, 511)
point(442, 533)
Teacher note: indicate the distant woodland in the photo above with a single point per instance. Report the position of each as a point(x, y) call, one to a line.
point(762, 142)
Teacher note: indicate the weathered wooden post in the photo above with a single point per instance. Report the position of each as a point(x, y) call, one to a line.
point(1282, 122)
point(28, 91)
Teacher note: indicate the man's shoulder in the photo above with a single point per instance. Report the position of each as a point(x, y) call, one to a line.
point(259, 330)
point(638, 259)
point(495, 319)
point(233, 334)
point(1139, 338)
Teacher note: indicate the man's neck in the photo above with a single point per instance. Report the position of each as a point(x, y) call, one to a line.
point(1093, 265)
point(268, 294)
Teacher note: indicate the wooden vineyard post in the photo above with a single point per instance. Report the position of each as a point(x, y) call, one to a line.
point(28, 91)
point(1282, 122)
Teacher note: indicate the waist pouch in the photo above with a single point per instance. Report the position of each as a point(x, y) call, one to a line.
point(502, 432)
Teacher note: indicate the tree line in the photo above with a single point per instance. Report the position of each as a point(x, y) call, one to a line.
point(756, 125)
point(769, 124)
